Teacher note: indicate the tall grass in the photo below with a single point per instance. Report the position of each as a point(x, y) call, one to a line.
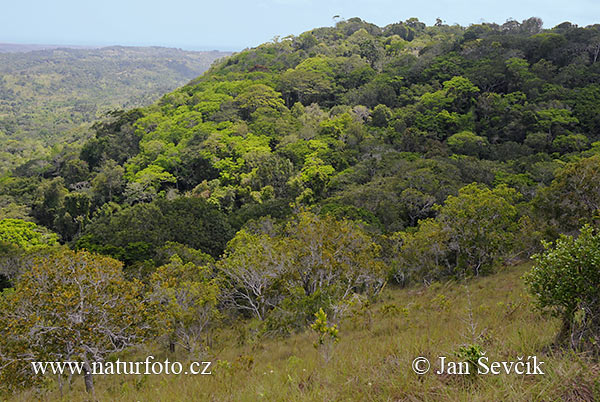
point(372, 361)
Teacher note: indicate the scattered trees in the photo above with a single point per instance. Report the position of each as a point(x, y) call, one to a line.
point(416, 161)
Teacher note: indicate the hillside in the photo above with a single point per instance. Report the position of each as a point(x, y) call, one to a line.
point(372, 361)
point(394, 181)
point(48, 96)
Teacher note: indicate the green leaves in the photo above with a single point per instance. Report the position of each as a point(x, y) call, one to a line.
point(311, 256)
point(566, 280)
point(573, 198)
point(187, 296)
point(69, 306)
point(326, 333)
point(25, 234)
point(472, 231)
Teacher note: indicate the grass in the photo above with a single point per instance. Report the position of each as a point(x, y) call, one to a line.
point(372, 361)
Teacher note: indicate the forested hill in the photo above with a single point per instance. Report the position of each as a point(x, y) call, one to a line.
point(380, 125)
point(295, 183)
point(46, 95)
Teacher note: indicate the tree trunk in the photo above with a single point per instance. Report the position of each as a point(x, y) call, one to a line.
point(60, 385)
point(89, 380)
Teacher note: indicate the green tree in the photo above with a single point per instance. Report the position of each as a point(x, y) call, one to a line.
point(70, 306)
point(566, 280)
point(20, 243)
point(25, 234)
point(109, 182)
point(467, 143)
point(472, 231)
point(481, 224)
point(331, 255)
point(553, 120)
point(327, 335)
point(573, 197)
point(253, 268)
point(256, 97)
point(188, 296)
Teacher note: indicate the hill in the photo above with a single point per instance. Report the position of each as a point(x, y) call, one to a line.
point(48, 96)
point(384, 179)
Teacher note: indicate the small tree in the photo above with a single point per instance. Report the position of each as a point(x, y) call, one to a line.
point(70, 306)
point(566, 280)
point(188, 296)
point(328, 335)
point(481, 224)
point(328, 253)
point(253, 268)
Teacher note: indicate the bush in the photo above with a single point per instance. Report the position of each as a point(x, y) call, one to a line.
point(566, 280)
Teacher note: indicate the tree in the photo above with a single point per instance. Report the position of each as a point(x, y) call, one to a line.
point(258, 96)
point(566, 280)
point(133, 234)
point(554, 119)
point(70, 306)
point(467, 143)
point(25, 234)
point(50, 201)
point(109, 182)
point(311, 81)
point(147, 182)
point(253, 268)
point(423, 255)
point(480, 223)
point(20, 242)
point(472, 231)
point(461, 92)
point(570, 143)
point(416, 204)
point(327, 334)
point(573, 197)
point(333, 256)
point(74, 215)
point(188, 296)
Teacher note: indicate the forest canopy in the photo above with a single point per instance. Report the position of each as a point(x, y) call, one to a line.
point(297, 179)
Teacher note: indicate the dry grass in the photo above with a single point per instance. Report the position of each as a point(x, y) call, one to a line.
point(372, 361)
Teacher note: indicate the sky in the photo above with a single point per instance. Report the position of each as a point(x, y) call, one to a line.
point(235, 25)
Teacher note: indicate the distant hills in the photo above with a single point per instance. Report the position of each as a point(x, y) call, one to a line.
point(49, 93)
point(21, 47)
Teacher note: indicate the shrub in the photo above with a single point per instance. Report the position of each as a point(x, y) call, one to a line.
point(566, 280)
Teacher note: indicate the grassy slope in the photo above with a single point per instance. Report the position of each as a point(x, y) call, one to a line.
point(373, 359)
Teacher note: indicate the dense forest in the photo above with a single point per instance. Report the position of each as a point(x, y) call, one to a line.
point(300, 178)
point(49, 96)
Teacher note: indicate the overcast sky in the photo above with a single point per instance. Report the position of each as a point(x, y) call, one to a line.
point(234, 25)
